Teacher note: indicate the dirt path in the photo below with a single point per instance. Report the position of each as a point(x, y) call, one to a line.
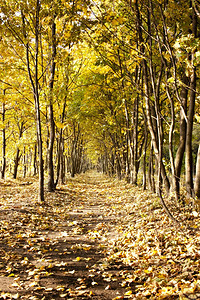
point(95, 238)
point(58, 250)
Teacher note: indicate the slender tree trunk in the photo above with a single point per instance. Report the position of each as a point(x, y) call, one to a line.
point(62, 163)
point(37, 108)
point(156, 147)
point(128, 142)
point(60, 147)
point(50, 163)
point(197, 178)
point(128, 134)
point(144, 181)
point(17, 158)
point(171, 135)
point(74, 150)
point(135, 142)
point(35, 87)
point(59, 154)
point(3, 140)
point(35, 160)
point(156, 78)
point(182, 138)
point(25, 164)
point(192, 96)
point(50, 184)
point(151, 179)
point(30, 161)
point(145, 153)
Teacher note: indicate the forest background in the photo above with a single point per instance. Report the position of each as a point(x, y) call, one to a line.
point(112, 84)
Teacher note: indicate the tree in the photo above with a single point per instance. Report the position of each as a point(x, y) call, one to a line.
point(190, 116)
point(51, 184)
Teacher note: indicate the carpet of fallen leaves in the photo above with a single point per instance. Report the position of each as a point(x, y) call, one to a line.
point(95, 238)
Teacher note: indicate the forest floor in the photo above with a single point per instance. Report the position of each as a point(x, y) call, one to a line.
point(95, 238)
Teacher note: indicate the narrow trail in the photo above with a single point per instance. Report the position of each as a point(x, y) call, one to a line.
point(57, 251)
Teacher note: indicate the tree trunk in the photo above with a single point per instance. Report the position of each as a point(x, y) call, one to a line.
point(59, 146)
point(182, 138)
point(3, 140)
point(144, 159)
point(37, 108)
point(17, 158)
point(35, 87)
point(60, 155)
point(50, 163)
point(171, 136)
point(197, 178)
point(156, 147)
point(50, 184)
point(25, 162)
point(151, 180)
point(35, 160)
point(192, 96)
point(62, 164)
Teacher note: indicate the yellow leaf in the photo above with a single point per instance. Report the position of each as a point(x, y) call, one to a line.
point(19, 236)
point(78, 258)
point(60, 288)
point(60, 125)
point(115, 22)
point(167, 291)
point(34, 283)
point(128, 293)
point(86, 248)
point(147, 271)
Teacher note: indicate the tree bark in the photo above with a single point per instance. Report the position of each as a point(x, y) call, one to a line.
point(17, 157)
point(50, 184)
point(182, 138)
point(37, 107)
point(145, 151)
point(134, 174)
point(61, 148)
point(3, 170)
point(35, 87)
point(197, 178)
point(190, 118)
point(35, 160)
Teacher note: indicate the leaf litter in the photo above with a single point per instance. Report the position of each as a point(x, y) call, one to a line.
point(95, 238)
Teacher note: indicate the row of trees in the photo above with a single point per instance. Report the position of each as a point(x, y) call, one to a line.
point(113, 82)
